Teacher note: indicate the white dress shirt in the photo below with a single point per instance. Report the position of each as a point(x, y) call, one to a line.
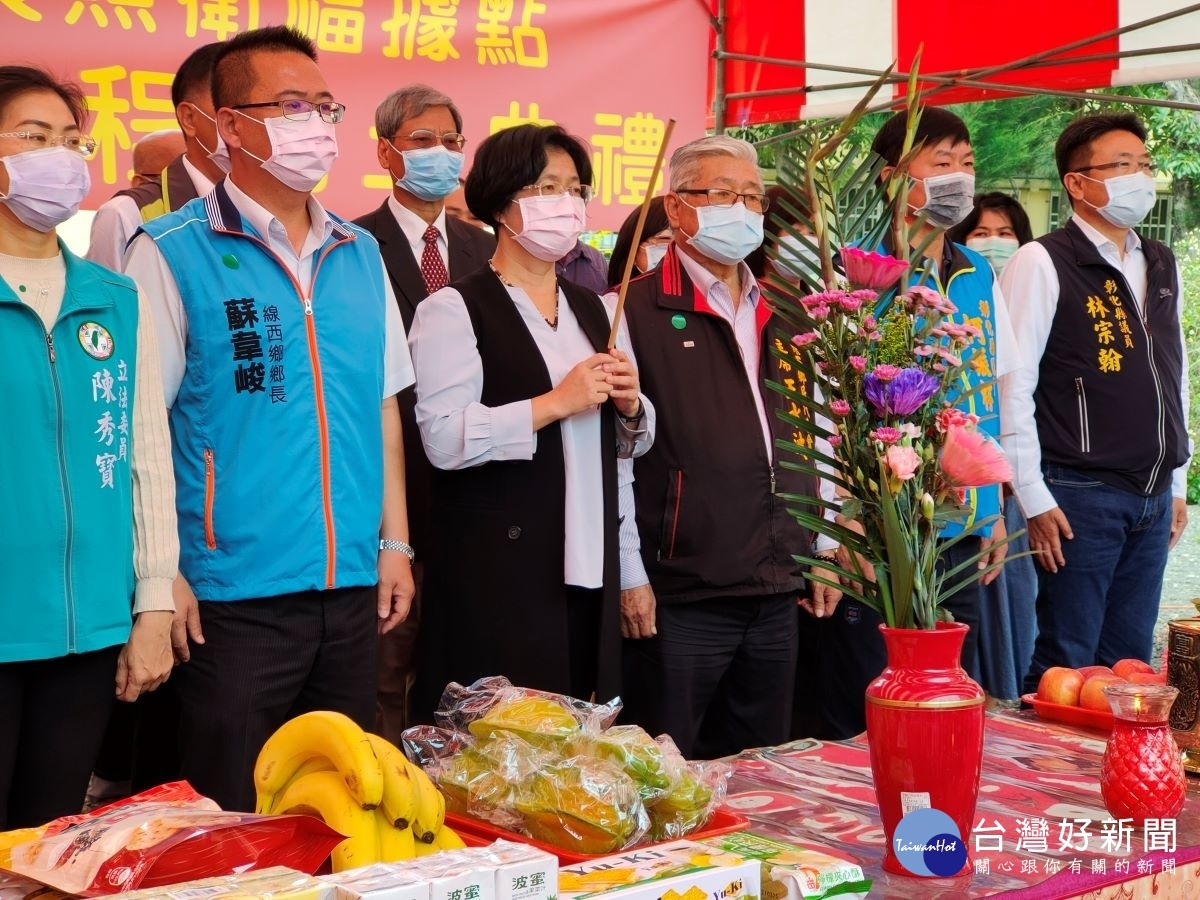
point(460, 432)
point(147, 266)
point(1031, 285)
point(414, 228)
point(118, 219)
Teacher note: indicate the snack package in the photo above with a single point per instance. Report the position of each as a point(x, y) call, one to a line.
point(14, 887)
point(163, 836)
point(275, 883)
point(795, 873)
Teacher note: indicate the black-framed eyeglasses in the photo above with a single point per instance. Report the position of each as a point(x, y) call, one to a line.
point(553, 188)
point(722, 197)
point(301, 110)
point(1123, 167)
point(424, 139)
point(82, 144)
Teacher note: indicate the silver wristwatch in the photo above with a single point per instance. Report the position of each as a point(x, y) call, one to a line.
point(399, 546)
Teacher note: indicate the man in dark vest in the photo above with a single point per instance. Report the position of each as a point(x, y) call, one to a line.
point(712, 619)
point(420, 147)
point(153, 153)
point(1099, 445)
point(203, 163)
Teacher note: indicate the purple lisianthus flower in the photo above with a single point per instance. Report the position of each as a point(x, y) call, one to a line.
point(902, 395)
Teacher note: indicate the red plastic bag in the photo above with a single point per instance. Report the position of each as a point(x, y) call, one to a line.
point(166, 835)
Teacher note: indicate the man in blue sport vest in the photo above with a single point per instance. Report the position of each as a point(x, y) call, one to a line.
point(284, 353)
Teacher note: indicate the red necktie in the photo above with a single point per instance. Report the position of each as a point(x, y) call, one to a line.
point(433, 270)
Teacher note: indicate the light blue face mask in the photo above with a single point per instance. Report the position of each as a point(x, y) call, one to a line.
point(430, 173)
point(727, 234)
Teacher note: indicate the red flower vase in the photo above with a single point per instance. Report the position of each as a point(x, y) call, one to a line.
point(925, 730)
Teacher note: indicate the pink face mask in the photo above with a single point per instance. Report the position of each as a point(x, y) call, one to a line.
point(302, 153)
point(45, 187)
point(550, 225)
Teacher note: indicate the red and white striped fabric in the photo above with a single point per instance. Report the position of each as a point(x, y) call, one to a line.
point(958, 38)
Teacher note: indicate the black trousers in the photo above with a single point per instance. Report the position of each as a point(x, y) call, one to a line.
point(263, 662)
point(718, 677)
point(141, 743)
point(52, 718)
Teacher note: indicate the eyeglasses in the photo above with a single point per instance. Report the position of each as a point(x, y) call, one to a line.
point(424, 139)
point(722, 197)
point(81, 143)
point(1122, 167)
point(301, 110)
point(152, 177)
point(553, 189)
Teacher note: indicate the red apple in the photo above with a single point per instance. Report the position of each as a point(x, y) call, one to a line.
point(1088, 671)
point(1060, 685)
point(1126, 667)
point(1091, 695)
point(1148, 678)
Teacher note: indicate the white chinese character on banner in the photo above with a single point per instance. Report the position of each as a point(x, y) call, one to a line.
point(1073, 834)
point(1032, 835)
point(104, 464)
point(989, 837)
point(1115, 834)
point(1160, 835)
point(105, 427)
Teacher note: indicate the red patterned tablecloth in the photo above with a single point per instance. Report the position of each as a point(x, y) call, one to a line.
point(1034, 772)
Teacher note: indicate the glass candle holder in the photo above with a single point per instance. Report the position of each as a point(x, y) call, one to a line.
point(1141, 775)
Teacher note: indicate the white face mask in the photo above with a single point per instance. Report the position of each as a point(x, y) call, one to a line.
point(949, 198)
point(996, 250)
point(46, 187)
point(550, 225)
point(302, 153)
point(797, 256)
point(655, 253)
point(1130, 198)
point(727, 234)
point(220, 154)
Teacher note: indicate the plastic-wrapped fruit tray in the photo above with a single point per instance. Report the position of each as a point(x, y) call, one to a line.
point(475, 831)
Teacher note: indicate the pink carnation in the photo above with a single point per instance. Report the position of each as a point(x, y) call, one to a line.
point(835, 440)
point(949, 357)
point(922, 350)
point(903, 462)
point(871, 269)
point(858, 363)
point(886, 435)
point(969, 458)
point(885, 373)
point(952, 416)
point(850, 304)
point(839, 407)
point(801, 340)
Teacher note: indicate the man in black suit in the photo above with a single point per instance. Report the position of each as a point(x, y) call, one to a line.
point(420, 146)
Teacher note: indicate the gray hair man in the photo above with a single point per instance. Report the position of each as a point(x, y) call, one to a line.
point(717, 569)
point(420, 146)
point(153, 153)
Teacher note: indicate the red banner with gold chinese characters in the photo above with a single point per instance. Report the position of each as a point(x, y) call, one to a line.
point(611, 72)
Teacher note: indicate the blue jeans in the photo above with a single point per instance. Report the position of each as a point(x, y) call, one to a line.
point(1103, 604)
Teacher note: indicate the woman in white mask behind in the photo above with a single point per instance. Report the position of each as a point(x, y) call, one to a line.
point(88, 531)
point(995, 228)
point(524, 412)
point(656, 237)
point(789, 246)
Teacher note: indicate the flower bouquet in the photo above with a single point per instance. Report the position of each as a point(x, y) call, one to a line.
point(887, 370)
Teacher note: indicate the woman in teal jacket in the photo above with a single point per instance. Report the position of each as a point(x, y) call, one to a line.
point(87, 522)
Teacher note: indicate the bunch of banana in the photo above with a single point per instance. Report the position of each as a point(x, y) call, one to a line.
point(323, 764)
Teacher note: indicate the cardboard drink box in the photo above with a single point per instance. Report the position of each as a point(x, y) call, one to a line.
point(681, 870)
point(523, 872)
point(275, 883)
point(381, 881)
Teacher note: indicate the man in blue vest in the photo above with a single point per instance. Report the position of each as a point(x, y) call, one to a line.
point(283, 354)
point(1099, 410)
point(941, 191)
